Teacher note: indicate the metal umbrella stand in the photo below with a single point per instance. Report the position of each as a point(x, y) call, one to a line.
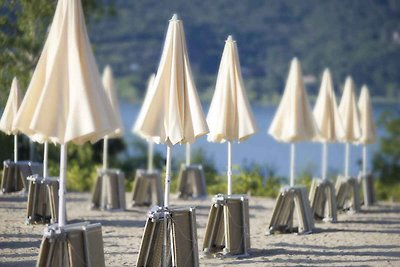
point(347, 187)
point(293, 122)
point(322, 193)
point(171, 114)
point(65, 85)
point(368, 136)
point(191, 179)
point(230, 119)
point(147, 187)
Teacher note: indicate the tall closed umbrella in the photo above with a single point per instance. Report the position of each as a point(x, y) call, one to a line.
point(368, 129)
point(109, 86)
point(9, 114)
point(230, 117)
point(348, 111)
point(172, 112)
point(65, 101)
point(294, 121)
point(327, 118)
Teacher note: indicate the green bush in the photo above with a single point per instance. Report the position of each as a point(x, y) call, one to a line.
point(386, 161)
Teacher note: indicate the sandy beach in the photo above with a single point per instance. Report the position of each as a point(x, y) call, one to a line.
point(369, 238)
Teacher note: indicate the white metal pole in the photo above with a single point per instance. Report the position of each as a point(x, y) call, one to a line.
point(167, 176)
point(105, 153)
point(292, 163)
point(63, 182)
point(188, 152)
point(166, 201)
point(365, 160)
point(15, 148)
point(150, 155)
point(45, 159)
point(324, 160)
point(347, 160)
point(229, 171)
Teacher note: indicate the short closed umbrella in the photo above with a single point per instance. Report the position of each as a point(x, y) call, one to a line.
point(368, 128)
point(348, 111)
point(109, 86)
point(150, 143)
point(294, 121)
point(9, 114)
point(172, 112)
point(65, 101)
point(230, 117)
point(327, 118)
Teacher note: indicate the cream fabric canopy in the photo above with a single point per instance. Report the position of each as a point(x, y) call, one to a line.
point(294, 120)
point(11, 109)
point(349, 113)
point(326, 112)
point(172, 113)
point(230, 117)
point(65, 100)
point(368, 130)
point(109, 86)
point(148, 95)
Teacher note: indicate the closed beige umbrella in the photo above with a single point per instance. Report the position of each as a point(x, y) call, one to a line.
point(65, 101)
point(109, 86)
point(368, 129)
point(327, 118)
point(150, 143)
point(9, 114)
point(294, 121)
point(171, 112)
point(348, 111)
point(230, 117)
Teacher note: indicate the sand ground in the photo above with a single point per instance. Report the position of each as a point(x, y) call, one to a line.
point(369, 238)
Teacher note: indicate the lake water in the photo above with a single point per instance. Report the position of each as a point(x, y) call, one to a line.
point(261, 148)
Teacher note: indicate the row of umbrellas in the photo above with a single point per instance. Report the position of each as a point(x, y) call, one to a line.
point(67, 102)
point(294, 120)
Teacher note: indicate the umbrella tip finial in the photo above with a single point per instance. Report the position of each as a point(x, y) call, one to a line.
point(230, 38)
point(174, 17)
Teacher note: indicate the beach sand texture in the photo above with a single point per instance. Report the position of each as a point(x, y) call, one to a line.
point(369, 238)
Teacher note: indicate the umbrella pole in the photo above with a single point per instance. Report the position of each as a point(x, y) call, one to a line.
point(229, 171)
point(188, 154)
point(45, 158)
point(15, 148)
point(324, 160)
point(364, 167)
point(150, 153)
point(105, 153)
point(62, 190)
point(166, 201)
point(347, 160)
point(292, 163)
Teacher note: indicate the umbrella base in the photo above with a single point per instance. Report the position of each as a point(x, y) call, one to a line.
point(42, 207)
point(367, 184)
point(109, 190)
point(348, 194)
point(181, 239)
point(74, 245)
point(147, 189)
point(192, 182)
point(289, 200)
point(323, 200)
point(15, 175)
point(228, 227)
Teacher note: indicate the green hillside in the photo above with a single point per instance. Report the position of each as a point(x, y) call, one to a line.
point(361, 38)
point(357, 37)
